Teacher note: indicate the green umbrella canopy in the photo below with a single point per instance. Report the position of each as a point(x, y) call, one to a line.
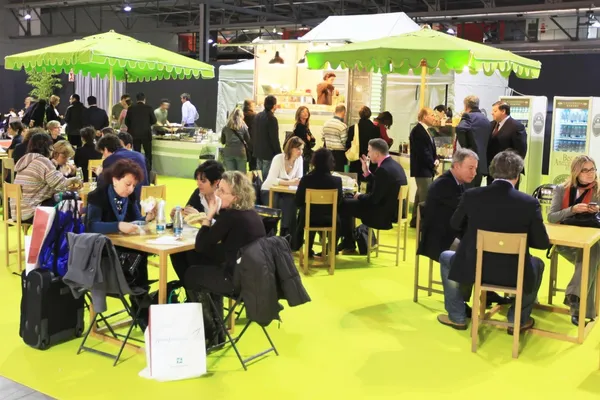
point(403, 53)
point(129, 58)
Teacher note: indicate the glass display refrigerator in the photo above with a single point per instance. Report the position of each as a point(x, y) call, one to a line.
point(531, 112)
point(575, 131)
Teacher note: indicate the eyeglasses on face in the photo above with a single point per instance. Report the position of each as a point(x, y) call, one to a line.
point(588, 170)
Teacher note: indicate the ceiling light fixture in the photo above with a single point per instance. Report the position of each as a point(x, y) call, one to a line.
point(27, 15)
point(210, 41)
point(126, 8)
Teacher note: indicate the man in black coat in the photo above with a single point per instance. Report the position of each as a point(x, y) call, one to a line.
point(97, 117)
point(76, 118)
point(507, 133)
point(377, 209)
point(497, 208)
point(265, 136)
point(423, 158)
point(139, 120)
point(473, 133)
point(442, 201)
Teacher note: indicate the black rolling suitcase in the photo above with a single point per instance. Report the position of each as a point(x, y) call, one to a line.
point(49, 312)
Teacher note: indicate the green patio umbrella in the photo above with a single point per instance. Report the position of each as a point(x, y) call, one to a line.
point(111, 55)
point(424, 52)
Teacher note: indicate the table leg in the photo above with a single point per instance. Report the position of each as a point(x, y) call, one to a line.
point(585, 277)
point(162, 278)
point(270, 198)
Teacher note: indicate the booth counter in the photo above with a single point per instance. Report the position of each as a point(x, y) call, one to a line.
point(180, 158)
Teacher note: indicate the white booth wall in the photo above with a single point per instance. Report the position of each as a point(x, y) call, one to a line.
point(235, 85)
point(402, 96)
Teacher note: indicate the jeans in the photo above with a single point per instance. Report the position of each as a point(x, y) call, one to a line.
point(264, 166)
point(454, 291)
point(235, 164)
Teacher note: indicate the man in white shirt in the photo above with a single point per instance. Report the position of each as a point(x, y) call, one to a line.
point(335, 134)
point(189, 114)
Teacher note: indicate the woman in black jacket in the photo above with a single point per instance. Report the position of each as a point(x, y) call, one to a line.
point(320, 215)
point(302, 130)
point(52, 113)
point(366, 131)
point(38, 115)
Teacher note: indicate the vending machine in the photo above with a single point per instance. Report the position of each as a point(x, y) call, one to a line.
point(575, 131)
point(531, 112)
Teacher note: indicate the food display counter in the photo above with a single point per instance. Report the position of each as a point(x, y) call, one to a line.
point(178, 154)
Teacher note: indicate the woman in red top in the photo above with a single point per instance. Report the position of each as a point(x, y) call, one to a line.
point(384, 122)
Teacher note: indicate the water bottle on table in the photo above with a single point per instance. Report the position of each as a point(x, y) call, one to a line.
point(161, 220)
point(178, 222)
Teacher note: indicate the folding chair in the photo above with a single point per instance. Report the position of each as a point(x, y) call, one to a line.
point(501, 243)
point(429, 288)
point(402, 232)
point(233, 341)
point(12, 191)
point(320, 197)
point(132, 312)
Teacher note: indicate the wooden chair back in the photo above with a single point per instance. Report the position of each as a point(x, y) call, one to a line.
point(10, 152)
point(158, 192)
point(499, 243)
point(321, 197)
point(8, 167)
point(91, 165)
point(251, 174)
point(402, 200)
point(12, 191)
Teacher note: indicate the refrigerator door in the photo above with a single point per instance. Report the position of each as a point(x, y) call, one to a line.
point(570, 134)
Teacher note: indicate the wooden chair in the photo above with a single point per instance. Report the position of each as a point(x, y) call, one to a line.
point(158, 192)
point(13, 191)
point(402, 231)
point(321, 197)
point(8, 166)
point(251, 174)
point(500, 243)
point(91, 165)
point(429, 288)
point(10, 153)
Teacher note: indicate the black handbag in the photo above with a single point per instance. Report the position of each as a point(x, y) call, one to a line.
point(134, 268)
point(584, 220)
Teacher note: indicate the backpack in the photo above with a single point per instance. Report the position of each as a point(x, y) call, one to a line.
point(361, 235)
point(54, 254)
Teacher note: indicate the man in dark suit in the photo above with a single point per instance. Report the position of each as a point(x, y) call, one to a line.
point(442, 201)
point(507, 133)
point(423, 158)
point(473, 133)
point(377, 209)
point(265, 139)
point(76, 119)
point(319, 178)
point(139, 120)
point(97, 117)
point(498, 208)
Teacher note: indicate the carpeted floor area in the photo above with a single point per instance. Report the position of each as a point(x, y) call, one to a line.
point(361, 337)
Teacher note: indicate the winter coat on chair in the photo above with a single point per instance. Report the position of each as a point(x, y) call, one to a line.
point(266, 273)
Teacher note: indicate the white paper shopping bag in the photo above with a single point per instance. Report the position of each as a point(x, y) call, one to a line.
point(175, 345)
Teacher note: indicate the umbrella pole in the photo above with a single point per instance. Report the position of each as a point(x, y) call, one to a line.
point(423, 82)
point(110, 88)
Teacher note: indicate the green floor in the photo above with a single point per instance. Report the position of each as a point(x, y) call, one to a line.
point(362, 337)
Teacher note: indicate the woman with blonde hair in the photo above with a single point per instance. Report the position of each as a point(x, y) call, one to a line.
point(578, 198)
point(220, 240)
point(62, 152)
point(236, 139)
point(302, 130)
point(52, 113)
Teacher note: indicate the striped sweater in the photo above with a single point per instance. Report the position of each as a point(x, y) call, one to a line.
point(335, 133)
point(39, 181)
